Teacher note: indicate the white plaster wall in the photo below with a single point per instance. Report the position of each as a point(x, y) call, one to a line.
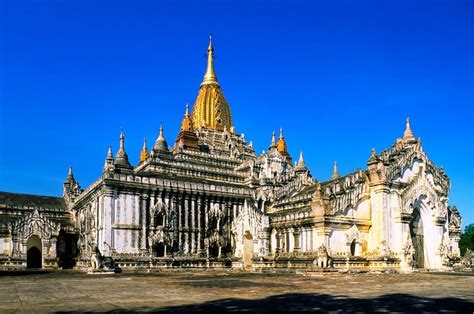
point(338, 241)
point(126, 241)
point(5, 245)
point(362, 210)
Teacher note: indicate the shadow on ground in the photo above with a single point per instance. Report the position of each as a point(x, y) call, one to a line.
point(24, 272)
point(321, 303)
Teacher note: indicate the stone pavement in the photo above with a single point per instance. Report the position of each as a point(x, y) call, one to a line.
point(219, 291)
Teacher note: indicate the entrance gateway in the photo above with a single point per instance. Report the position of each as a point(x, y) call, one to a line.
point(34, 258)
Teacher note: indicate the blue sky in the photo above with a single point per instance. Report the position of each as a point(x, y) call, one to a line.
point(339, 76)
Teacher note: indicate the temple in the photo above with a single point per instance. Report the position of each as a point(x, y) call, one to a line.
point(210, 201)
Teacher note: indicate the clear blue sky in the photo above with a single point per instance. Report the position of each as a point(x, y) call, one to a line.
point(340, 76)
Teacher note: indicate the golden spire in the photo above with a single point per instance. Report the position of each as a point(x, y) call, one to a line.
point(281, 146)
point(211, 109)
point(408, 135)
point(186, 124)
point(210, 76)
point(144, 152)
point(335, 173)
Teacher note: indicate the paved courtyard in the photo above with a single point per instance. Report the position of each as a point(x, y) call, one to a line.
point(235, 291)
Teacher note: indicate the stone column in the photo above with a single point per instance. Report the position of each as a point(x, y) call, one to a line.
point(143, 237)
point(278, 242)
point(192, 232)
point(200, 233)
point(206, 223)
point(296, 235)
point(109, 211)
point(265, 242)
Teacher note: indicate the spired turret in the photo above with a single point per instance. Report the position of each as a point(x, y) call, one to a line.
point(109, 160)
point(273, 144)
point(408, 134)
point(187, 139)
point(335, 173)
point(144, 152)
point(71, 187)
point(161, 146)
point(281, 148)
point(211, 109)
point(121, 160)
point(301, 166)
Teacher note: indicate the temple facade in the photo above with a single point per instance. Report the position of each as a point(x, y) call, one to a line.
point(208, 200)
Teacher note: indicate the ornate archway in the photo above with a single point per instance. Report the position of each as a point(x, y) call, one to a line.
point(34, 254)
point(422, 233)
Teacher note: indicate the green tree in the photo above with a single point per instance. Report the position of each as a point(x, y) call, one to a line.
point(467, 239)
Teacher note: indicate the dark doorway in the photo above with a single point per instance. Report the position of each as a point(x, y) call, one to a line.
point(33, 258)
point(214, 251)
point(66, 249)
point(417, 236)
point(353, 247)
point(160, 250)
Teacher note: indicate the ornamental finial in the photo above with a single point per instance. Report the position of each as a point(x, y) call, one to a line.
point(408, 135)
point(210, 75)
point(335, 173)
point(144, 152)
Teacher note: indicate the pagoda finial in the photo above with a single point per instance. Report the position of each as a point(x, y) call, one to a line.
point(160, 143)
point(121, 159)
point(210, 75)
point(110, 155)
point(301, 166)
point(109, 160)
point(186, 124)
point(70, 176)
point(273, 144)
point(335, 173)
point(144, 152)
point(408, 134)
point(122, 139)
point(281, 146)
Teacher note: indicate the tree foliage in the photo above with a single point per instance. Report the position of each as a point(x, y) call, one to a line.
point(467, 239)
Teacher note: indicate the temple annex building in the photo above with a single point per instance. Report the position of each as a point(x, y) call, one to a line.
point(207, 200)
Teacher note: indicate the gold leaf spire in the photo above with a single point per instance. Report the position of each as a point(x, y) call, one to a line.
point(186, 124)
point(210, 75)
point(335, 173)
point(144, 152)
point(211, 109)
point(281, 146)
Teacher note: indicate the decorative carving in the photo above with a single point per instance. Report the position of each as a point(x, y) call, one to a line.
point(34, 223)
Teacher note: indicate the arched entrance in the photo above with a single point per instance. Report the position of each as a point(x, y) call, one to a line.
point(34, 258)
point(159, 249)
point(417, 236)
point(248, 250)
point(422, 234)
point(353, 247)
